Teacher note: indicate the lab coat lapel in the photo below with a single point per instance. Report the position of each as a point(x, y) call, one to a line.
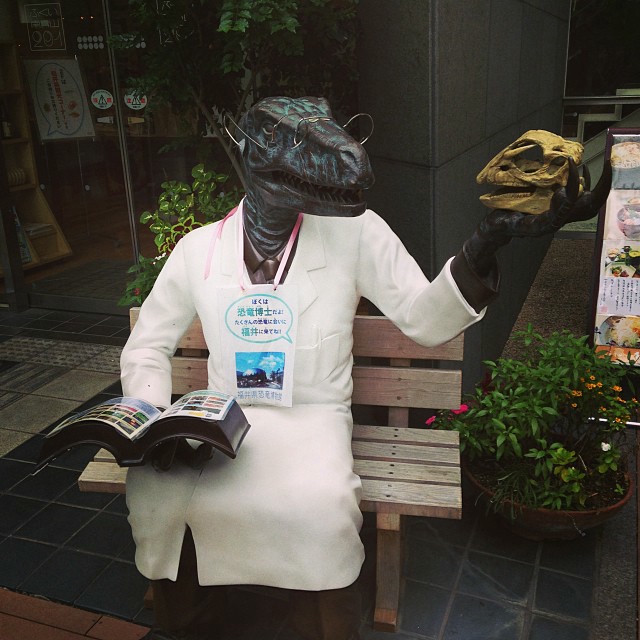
point(229, 245)
point(310, 255)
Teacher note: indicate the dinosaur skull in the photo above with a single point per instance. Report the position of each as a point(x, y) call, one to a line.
point(528, 172)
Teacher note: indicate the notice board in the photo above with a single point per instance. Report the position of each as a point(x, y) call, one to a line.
point(616, 317)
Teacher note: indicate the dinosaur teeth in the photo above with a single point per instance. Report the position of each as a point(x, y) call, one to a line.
point(324, 193)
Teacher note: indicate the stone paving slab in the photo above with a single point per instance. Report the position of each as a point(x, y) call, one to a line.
point(107, 361)
point(26, 377)
point(68, 354)
point(23, 349)
point(77, 385)
point(10, 439)
point(32, 414)
point(63, 353)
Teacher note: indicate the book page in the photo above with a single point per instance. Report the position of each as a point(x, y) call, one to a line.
point(206, 404)
point(130, 416)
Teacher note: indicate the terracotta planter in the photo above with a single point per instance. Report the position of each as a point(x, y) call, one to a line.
point(550, 524)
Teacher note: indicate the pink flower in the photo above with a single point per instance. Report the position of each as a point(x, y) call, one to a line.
point(462, 409)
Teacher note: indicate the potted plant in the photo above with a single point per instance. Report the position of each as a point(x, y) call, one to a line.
point(181, 208)
point(544, 438)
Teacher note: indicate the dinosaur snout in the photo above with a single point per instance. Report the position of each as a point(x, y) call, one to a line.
point(355, 167)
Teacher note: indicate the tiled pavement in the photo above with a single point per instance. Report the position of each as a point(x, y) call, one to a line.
point(464, 579)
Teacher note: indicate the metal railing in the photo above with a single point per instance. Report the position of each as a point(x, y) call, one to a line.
point(584, 115)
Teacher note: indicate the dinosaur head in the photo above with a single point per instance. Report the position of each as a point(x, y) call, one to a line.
point(298, 158)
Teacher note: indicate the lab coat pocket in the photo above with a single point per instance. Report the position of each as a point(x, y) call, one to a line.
point(315, 362)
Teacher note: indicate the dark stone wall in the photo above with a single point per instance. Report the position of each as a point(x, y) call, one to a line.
point(450, 83)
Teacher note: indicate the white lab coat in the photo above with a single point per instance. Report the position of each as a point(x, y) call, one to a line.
point(285, 512)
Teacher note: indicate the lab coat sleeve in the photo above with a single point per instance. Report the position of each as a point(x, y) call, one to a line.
point(164, 317)
point(430, 313)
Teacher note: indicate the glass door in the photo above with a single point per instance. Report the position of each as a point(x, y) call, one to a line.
point(90, 154)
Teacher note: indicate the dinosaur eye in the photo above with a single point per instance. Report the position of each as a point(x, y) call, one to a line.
point(268, 128)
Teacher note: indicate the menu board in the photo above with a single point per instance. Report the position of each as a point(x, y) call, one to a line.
point(617, 304)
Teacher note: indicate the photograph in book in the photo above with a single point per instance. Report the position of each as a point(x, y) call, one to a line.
point(130, 428)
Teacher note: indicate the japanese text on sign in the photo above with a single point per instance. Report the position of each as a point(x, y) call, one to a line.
point(619, 296)
point(260, 319)
point(45, 27)
point(59, 99)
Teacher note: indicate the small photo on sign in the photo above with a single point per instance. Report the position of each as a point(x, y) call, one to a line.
point(260, 369)
point(619, 331)
point(623, 215)
point(619, 337)
point(625, 162)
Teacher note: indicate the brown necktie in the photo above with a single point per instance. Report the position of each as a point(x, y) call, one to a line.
point(269, 268)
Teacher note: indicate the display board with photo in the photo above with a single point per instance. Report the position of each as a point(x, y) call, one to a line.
point(616, 318)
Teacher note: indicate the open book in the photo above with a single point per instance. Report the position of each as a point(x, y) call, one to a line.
point(130, 428)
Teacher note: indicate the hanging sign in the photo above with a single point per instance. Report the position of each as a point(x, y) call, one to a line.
point(135, 101)
point(259, 329)
point(45, 27)
point(59, 99)
point(101, 99)
point(616, 322)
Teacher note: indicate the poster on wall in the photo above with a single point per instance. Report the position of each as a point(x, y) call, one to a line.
point(59, 99)
point(617, 304)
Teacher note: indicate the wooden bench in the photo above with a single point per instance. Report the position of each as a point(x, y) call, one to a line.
point(405, 471)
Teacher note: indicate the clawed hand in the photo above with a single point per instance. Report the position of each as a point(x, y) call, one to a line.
point(567, 205)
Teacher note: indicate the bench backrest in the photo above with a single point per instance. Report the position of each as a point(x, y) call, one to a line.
point(393, 380)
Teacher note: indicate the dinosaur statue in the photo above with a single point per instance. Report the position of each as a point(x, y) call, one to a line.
point(285, 512)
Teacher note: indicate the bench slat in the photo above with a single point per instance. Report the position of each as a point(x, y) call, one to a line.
point(405, 387)
point(408, 498)
point(378, 337)
point(405, 453)
point(104, 455)
point(407, 472)
point(105, 477)
point(431, 437)
point(188, 374)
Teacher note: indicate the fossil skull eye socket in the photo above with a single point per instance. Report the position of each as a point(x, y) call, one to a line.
point(557, 164)
point(530, 160)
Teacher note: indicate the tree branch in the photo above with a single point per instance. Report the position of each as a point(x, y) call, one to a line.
point(237, 167)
